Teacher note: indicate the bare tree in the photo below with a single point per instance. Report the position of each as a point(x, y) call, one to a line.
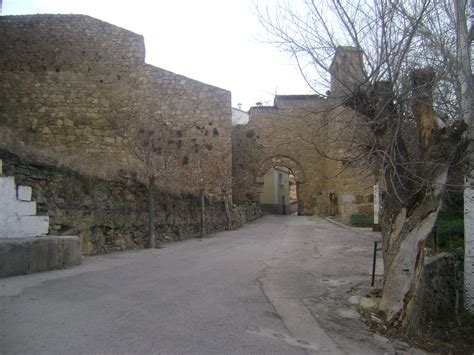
point(152, 139)
point(408, 95)
point(464, 43)
point(219, 170)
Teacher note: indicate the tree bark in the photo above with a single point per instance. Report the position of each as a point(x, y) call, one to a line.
point(202, 212)
point(151, 211)
point(467, 97)
point(403, 249)
point(227, 212)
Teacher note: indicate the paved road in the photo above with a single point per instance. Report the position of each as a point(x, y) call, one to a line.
point(252, 291)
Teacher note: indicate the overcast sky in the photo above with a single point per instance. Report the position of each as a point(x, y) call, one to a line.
point(214, 41)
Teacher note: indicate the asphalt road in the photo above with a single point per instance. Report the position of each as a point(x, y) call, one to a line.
point(255, 290)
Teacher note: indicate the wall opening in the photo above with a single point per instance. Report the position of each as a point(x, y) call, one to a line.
point(279, 191)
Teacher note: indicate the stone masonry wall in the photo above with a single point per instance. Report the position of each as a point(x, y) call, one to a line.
point(72, 88)
point(111, 215)
point(438, 292)
point(306, 134)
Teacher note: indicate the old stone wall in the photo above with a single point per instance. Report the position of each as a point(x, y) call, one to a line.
point(111, 215)
point(309, 135)
point(438, 294)
point(75, 90)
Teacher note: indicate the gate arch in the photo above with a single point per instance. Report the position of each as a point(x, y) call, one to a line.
point(280, 160)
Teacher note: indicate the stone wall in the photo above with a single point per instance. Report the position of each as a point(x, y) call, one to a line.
point(438, 293)
point(309, 135)
point(111, 215)
point(76, 90)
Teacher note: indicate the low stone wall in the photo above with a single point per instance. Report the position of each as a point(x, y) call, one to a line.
point(243, 214)
point(438, 293)
point(111, 215)
point(27, 255)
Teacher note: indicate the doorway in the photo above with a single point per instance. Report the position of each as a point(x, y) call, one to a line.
point(279, 192)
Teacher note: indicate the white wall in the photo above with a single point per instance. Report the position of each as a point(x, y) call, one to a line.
point(18, 213)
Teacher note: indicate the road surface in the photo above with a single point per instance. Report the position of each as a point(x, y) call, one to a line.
point(256, 290)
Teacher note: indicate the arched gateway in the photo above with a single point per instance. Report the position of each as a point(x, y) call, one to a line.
point(280, 160)
point(309, 135)
point(298, 132)
point(279, 200)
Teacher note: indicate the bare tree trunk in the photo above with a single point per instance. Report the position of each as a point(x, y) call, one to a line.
point(227, 212)
point(403, 249)
point(202, 210)
point(413, 199)
point(151, 211)
point(467, 97)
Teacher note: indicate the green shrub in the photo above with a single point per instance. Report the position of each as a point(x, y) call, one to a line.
point(448, 235)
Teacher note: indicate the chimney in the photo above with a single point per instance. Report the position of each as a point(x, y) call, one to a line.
point(347, 71)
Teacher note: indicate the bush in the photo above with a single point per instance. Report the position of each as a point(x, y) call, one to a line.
point(448, 234)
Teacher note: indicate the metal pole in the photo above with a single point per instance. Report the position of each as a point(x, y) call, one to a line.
point(374, 262)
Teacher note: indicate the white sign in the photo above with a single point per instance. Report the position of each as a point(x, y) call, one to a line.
point(376, 204)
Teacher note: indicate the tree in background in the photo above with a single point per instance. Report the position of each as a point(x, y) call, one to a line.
point(152, 139)
point(403, 78)
point(219, 170)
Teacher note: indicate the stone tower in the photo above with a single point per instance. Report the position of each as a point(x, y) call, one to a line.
point(347, 71)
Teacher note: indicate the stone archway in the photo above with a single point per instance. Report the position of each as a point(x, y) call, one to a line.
point(276, 161)
point(280, 160)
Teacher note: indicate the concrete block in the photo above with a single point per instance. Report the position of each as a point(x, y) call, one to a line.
point(34, 225)
point(24, 208)
point(7, 189)
point(14, 257)
point(21, 256)
point(9, 225)
point(24, 193)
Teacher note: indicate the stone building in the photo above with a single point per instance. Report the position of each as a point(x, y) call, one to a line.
point(275, 195)
point(313, 137)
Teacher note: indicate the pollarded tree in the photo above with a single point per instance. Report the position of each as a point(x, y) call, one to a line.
point(404, 83)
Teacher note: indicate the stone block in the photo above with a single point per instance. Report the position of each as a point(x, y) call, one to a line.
point(7, 189)
point(9, 225)
point(34, 225)
point(24, 208)
point(24, 193)
point(27, 255)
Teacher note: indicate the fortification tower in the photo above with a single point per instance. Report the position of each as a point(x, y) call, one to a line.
point(347, 71)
